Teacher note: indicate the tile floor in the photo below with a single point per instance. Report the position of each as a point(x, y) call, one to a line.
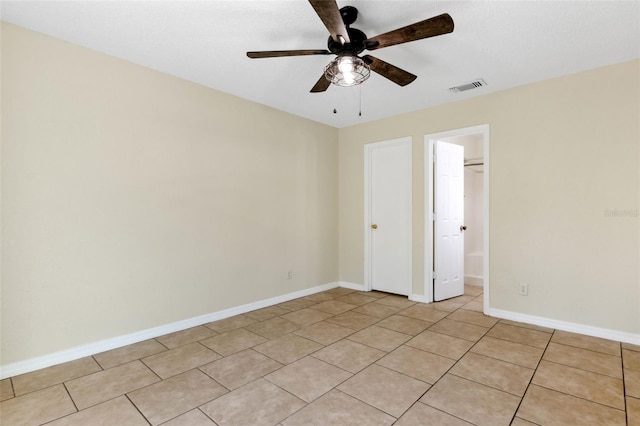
point(342, 358)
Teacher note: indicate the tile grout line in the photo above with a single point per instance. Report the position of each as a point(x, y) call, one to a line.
point(458, 360)
point(126, 395)
point(588, 349)
point(578, 397)
point(72, 401)
point(449, 369)
point(352, 374)
point(624, 386)
point(13, 389)
point(347, 337)
point(244, 327)
point(205, 414)
point(282, 364)
point(535, 371)
point(586, 371)
point(96, 361)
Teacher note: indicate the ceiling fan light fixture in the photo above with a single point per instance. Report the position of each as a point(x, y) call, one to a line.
point(347, 70)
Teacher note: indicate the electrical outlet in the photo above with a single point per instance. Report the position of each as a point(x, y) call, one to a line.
point(524, 290)
point(289, 274)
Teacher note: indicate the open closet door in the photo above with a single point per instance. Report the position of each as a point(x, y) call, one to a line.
point(449, 221)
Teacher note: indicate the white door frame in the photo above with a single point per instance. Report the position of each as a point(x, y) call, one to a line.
point(429, 142)
point(367, 208)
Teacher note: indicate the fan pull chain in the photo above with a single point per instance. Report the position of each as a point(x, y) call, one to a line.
point(333, 90)
point(335, 110)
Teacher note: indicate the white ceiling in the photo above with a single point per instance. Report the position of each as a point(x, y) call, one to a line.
point(507, 43)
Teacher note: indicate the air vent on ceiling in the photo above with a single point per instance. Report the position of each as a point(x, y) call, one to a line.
point(468, 86)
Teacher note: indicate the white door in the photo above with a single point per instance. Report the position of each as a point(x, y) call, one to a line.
point(388, 216)
point(449, 221)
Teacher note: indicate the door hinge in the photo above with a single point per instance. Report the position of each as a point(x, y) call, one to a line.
point(433, 275)
point(433, 217)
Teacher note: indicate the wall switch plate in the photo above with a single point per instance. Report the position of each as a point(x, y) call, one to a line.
point(289, 274)
point(524, 290)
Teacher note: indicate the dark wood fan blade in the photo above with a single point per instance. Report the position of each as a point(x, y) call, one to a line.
point(321, 85)
point(280, 53)
point(385, 69)
point(330, 15)
point(438, 25)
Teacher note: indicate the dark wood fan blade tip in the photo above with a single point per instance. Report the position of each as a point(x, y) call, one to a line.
point(432, 27)
point(408, 81)
point(284, 53)
point(321, 85)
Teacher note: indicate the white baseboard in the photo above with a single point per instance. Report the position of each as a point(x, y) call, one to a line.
point(89, 349)
point(477, 280)
point(352, 286)
point(360, 287)
point(619, 336)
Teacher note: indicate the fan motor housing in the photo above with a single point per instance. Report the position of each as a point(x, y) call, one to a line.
point(356, 45)
point(357, 38)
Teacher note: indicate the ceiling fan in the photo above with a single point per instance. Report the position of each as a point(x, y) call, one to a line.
point(348, 69)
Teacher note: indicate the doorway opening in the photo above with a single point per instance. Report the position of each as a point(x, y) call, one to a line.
point(475, 257)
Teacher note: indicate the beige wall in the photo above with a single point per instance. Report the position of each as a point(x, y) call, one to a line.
point(132, 199)
point(563, 152)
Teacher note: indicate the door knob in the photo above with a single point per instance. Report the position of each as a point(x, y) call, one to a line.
point(374, 226)
point(463, 228)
